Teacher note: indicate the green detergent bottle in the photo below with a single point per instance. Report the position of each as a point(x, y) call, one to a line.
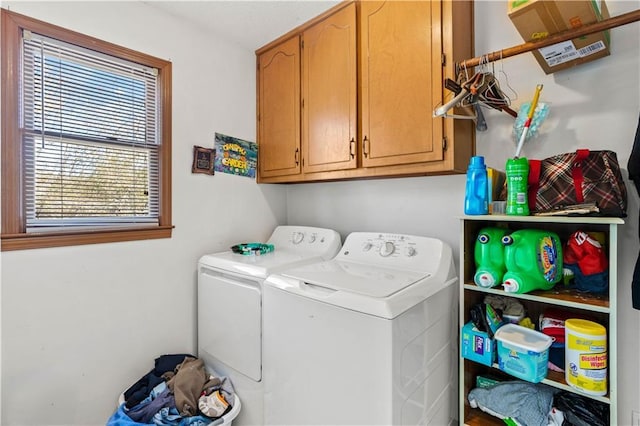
point(533, 258)
point(489, 257)
point(517, 172)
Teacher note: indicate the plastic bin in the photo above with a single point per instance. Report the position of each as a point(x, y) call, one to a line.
point(522, 352)
point(225, 420)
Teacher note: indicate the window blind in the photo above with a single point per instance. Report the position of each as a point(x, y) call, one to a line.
point(90, 137)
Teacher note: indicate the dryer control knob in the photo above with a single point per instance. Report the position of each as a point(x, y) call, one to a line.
point(411, 251)
point(367, 247)
point(387, 249)
point(297, 237)
point(312, 238)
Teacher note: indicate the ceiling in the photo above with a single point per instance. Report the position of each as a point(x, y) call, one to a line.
point(251, 23)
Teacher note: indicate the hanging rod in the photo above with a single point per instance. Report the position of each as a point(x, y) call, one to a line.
point(603, 25)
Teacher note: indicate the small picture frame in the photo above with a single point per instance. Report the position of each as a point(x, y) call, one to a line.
point(203, 160)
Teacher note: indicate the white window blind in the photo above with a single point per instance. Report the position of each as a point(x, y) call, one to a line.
point(91, 137)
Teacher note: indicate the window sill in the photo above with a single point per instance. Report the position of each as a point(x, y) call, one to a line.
point(62, 239)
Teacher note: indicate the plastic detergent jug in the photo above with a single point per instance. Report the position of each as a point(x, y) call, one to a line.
point(533, 258)
point(476, 199)
point(489, 257)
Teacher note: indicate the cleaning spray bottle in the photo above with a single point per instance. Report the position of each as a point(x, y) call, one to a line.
point(476, 198)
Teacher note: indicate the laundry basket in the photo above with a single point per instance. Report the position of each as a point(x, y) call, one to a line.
point(225, 420)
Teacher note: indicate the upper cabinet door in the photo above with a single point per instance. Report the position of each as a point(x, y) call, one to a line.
point(400, 65)
point(329, 92)
point(279, 109)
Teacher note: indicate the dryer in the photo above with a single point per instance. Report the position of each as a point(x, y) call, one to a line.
point(366, 338)
point(230, 307)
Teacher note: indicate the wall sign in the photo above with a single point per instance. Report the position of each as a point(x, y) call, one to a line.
point(236, 156)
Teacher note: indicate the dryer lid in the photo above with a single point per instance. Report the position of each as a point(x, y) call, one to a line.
point(254, 266)
point(361, 279)
point(294, 245)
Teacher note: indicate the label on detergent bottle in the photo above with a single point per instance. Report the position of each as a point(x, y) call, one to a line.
point(548, 259)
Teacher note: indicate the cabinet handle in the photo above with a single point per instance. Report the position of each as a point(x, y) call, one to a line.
point(296, 156)
point(352, 144)
point(364, 147)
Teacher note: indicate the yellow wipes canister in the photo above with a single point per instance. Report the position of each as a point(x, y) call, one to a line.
point(586, 356)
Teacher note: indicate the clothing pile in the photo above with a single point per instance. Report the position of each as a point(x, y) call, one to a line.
point(178, 391)
point(520, 403)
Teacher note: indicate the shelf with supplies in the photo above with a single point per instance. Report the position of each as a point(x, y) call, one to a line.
point(599, 308)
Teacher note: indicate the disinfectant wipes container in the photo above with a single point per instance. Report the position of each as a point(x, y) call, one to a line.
point(523, 352)
point(586, 356)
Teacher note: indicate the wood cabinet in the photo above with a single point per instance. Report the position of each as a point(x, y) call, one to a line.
point(400, 76)
point(279, 110)
point(600, 308)
point(371, 75)
point(329, 127)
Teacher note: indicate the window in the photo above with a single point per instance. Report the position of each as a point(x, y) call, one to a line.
point(86, 139)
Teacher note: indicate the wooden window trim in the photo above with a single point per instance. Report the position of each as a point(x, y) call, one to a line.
point(13, 236)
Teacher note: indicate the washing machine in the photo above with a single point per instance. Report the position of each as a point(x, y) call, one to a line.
point(366, 338)
point(230, 307)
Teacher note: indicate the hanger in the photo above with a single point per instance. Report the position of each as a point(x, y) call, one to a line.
point(462, 91)
point(481, 88)
point(441, 111)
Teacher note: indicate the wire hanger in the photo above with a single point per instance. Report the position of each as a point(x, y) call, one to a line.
point(461, 93)
point(504, 75)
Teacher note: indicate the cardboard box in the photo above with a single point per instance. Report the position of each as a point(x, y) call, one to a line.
point(537, 19)
point(486, 381)
point(477, 346)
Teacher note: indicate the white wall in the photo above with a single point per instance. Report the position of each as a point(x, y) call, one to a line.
point(593, 106)
point(81, 324)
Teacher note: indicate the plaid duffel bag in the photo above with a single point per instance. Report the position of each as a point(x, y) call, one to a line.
point(578, 177)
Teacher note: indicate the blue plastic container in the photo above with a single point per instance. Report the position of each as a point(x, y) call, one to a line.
point(476, 199)
point(522, 352)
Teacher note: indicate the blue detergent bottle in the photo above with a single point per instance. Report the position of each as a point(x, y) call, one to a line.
point(476, 198)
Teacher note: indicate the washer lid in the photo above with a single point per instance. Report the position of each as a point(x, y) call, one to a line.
point(256, 266)
point(357, 278)
point(377, 274)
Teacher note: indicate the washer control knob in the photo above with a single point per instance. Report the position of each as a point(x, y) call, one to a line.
point(297, 237)
point(411, 251)
point(312, 238)
point(387, 249)
point(367, 247)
